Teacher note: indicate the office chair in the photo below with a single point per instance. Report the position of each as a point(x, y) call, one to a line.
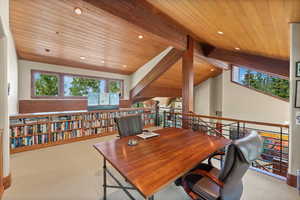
point(129, 125)
point(208, 183)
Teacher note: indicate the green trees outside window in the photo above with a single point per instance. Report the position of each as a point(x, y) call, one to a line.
point(76, 86)
point(46, 85)
point(268, 84)
point(50, 84)
point(114, 86)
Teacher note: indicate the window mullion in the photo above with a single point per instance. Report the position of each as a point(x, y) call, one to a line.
point(61, 86)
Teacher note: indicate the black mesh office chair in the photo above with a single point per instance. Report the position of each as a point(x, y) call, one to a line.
point(129, 125)
point(208, 183)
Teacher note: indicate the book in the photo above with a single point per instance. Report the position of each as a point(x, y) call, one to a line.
point(147, 135)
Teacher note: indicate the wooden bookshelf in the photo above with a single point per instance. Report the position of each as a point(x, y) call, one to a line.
point(40, 130)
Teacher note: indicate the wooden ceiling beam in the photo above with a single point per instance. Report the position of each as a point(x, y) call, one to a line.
point(146, 16)
point(259, 63)
point(162, 66)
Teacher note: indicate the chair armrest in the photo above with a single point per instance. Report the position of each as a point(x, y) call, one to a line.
point(208, 175)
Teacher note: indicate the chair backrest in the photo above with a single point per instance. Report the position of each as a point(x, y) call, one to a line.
point(129, 125)
point(199, 127)
point(238, 158)
point(235, 133)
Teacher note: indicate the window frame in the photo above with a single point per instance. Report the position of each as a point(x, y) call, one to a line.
point(61, 88)
point(33, 87)
point(251, 88)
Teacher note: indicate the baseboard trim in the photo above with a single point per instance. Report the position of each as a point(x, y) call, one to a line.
point(291, 180)
point(7, 181)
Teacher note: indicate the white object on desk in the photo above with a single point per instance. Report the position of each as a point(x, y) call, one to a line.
point(147, 135)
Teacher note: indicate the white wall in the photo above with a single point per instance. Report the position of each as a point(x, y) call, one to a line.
point(217, 94)
point(12, 65)
point(294, 136)
point(145, 69)
point(243, 103)
point(8, 73)
point(25, 68)
point(202, 98)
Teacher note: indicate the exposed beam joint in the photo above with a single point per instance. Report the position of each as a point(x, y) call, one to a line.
point(162, 66)
point(200, 50)
point(259, 63)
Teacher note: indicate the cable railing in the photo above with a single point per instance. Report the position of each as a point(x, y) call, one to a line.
point(274, 158)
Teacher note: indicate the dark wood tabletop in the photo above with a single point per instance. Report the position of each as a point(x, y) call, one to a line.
point(158, 161)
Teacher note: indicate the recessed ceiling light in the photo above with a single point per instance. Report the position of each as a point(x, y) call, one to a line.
point(220, 33)
point(82, 57)
point(237, 48)
point(102, 61)
point(141, 37)
point(212, 70)
point(77, 11)
point(124, 66)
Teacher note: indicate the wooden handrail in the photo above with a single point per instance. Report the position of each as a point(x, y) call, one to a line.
point(234, 120)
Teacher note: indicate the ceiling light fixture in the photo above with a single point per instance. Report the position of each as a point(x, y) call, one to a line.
point(82, 57)
point(212, 70)
point(220, 33)
point(141, 37)
point(77, 11)
point(237, 48)
point(102, 61)
point(124, 66)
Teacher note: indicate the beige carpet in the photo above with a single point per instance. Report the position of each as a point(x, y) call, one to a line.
point(72, 172)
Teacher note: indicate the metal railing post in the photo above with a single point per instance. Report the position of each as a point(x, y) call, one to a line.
point(280, 166)
point(175, 120)
point(164, 116)
point(238, 129)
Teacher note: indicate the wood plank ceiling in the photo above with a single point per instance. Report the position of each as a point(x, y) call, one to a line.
point(51, 32)
point(173, 77)
point(257, 27)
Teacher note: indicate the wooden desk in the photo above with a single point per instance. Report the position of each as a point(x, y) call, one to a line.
point(156, 162)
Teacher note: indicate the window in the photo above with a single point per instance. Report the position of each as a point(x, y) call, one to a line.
point(57, 85)
point(79, 86)
point(114, 86)
point(271, 85)
point(46, 84)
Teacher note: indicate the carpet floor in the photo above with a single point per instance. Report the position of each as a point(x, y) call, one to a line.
point(72, 172)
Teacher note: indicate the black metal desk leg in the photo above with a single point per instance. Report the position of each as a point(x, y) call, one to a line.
point(104, 179)
point(150, 198)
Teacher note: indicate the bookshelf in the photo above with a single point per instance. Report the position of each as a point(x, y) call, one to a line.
point(39, 130)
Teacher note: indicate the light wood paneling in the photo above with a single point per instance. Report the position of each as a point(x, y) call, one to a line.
point(258, 27)
point(38, 25)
